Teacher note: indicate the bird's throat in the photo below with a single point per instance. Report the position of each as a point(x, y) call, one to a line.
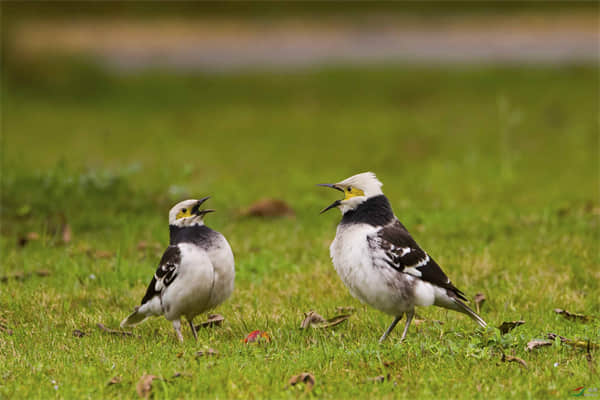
point(376, 211)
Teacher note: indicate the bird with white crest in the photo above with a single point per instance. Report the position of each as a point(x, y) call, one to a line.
point(380, 262)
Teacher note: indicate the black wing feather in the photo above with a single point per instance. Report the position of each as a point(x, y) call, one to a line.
point(403, 252)
point(165, 273)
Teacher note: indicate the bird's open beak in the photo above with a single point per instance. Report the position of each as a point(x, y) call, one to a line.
point(335, 203)
point(196, 209)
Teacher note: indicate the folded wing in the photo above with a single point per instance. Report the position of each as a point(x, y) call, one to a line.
point(401, 252)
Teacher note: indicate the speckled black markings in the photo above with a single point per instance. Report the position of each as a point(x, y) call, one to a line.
point(167, 270)
point(393, 238)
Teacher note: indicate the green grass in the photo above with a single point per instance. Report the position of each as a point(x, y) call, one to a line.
point(493, 170)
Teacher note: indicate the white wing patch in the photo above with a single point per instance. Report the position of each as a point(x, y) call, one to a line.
point(422, 262)
point(404, 251)
point(413, 271)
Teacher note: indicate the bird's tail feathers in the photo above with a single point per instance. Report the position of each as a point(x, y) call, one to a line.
point(134, 318)
point(463, 308)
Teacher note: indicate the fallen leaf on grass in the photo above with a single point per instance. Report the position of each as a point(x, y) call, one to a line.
point(114, 331)
point(314, 320)
point(479, 299)
point(114, 380)
point(575, 343)
point(144, 386)
point(207, 352)
point(311, 318)
point(78, 333)
point(268, 208)
point(508, 326)
point(306, 377)
point(572, 316)
point(257, 336)
point(213, 320)
point(506, 358)
point(535, 343)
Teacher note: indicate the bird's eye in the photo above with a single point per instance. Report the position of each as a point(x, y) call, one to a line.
point(184, 210)
point(349, 188)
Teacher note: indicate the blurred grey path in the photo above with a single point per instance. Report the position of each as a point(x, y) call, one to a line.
point(222, 45)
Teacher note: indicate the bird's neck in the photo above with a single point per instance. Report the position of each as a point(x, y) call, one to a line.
point(374, 211)
point(192, 233)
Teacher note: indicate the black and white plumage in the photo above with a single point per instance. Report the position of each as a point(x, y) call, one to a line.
point(196, 272)
point(380, 262)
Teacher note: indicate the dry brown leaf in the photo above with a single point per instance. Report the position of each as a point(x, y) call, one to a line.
point(78, 333)
point(508, 326)
point(207, 352)
point(535, 343)
point(334, 321)
point(114, 331)
point(42, 273)
point(479, 299)
point(572, 316)
point(213, 320)
point(314, 320)
point(268, 207)
point(144, 386)
point(506, 358)
point(306, 377)
point(575, 343)
point(311, 318)
point(114, 380)
point(66, 233)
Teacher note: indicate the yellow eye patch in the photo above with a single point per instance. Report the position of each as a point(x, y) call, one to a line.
point(185, 212)
point(351, 192)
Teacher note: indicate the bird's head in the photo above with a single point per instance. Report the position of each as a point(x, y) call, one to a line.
point(356, 189)
point(188, 212)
